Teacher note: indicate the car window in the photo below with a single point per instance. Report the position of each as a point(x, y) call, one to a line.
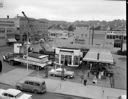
point(31, 83)
point(9, 95)
point(43, 83)
point(36, 84)
point(5, 94)
point(26, 82)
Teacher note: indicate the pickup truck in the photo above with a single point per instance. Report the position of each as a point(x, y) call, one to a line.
point(38, 61)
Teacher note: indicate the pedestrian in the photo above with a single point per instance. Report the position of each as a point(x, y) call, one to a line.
point(94, 80)
point(0, 66)
point(85, 82)
point(82, 77)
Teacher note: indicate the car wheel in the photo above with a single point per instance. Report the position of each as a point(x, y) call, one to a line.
point(11, 63)
point(53, 75)
point(68, 77)
point(18, 87)
point(35, 91)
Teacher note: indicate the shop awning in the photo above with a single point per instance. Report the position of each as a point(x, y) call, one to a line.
point(99, 55)
point(11, 40)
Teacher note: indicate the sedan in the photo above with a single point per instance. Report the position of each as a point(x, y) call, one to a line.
point(13, 94)
point(58, 72)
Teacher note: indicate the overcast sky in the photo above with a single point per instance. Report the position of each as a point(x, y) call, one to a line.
point(68, 10)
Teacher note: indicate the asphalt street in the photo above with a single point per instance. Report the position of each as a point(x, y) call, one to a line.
point(45, 95)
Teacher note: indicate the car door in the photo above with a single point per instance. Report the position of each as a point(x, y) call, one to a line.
point(6, 96)
point(58, 72)
point(26, 86)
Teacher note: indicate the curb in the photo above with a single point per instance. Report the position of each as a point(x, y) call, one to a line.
point(70, 95)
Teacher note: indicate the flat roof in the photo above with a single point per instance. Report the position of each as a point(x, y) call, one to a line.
point(104, 56)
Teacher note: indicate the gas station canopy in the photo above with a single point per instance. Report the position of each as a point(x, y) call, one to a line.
point(99, 55)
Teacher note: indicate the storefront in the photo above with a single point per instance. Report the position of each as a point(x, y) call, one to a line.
point(68, 57)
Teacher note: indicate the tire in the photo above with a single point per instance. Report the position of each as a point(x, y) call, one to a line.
point(35, 91)
point(53, 75)
point(18, 87)
point(68, 77)
point(11, 63)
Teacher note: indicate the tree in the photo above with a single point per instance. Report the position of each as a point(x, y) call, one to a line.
point(71, 28)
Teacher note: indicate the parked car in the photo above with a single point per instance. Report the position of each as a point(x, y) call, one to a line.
point(58, 72)
point(13, 94)
point(122, 97)
point(32, 84)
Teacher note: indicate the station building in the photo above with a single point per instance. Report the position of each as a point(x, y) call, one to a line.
point(68, 56)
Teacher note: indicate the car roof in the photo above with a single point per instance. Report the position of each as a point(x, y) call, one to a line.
point(33, 79)
point(13, 92)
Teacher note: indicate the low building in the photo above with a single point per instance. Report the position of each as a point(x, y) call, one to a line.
point(81, 35)
point(54, 33)
point(16, 29)
point(37, 28)
point(7, 31)
point(115, 38)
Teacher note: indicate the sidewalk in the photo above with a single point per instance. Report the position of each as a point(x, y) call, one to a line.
point(64, 87)
point(77, 89)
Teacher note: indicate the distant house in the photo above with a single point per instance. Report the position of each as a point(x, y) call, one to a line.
point(81, 35)
point(55, 33)
point(115, 38)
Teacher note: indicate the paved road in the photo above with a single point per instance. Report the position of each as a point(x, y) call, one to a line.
point(46, 95)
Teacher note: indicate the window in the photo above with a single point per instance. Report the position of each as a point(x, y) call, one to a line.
point(110, 36)
point(124, 37)
point(117, 36)
point(5, 94)
point(43, 83)
point(31, 83)
point(62, 59)
point(26, 82)
point(114, 37)
point(120, 37)
point(36, 84)
point(2, 37)
point(76, 60)
point(68, 58)
point(57, 58)
point(2, 30)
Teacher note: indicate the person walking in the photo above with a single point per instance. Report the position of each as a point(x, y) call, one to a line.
point(0, 66)
point(85, 82)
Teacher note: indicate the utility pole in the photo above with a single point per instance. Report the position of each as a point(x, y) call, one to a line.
point(27, 37)
point(62, 73)
point(92, 34)
point(122, 40)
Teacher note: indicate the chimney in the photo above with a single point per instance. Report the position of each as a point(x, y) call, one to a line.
point(7, 16)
